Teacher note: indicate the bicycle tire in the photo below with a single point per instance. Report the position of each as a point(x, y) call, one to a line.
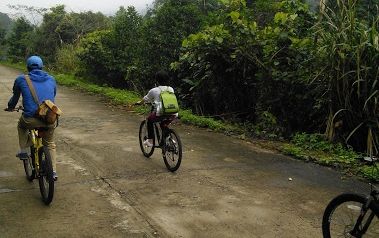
point(46, 179)
point(147, 151)
point(172, 146)
point(29, 165)
point(345, 209)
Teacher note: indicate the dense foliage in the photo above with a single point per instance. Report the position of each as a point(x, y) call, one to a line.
point(277, 67)
point(5, 25)
point(348, 62)
point(18, 40)
point(5, 21)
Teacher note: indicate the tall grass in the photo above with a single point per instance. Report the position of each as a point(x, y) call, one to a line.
point(349, 54)
point(67, 60)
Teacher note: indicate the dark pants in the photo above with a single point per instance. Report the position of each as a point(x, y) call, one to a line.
point(150, 124)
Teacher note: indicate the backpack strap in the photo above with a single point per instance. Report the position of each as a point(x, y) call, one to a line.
point(32, 90)
point(163, 90)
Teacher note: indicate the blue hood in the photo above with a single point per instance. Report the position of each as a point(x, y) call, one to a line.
point(38, 75)
point(44, 85)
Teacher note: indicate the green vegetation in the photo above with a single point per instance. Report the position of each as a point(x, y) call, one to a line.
point(324, 152)
point(264, 69)
point(5, 24)
point(116, 96)
point(348, 61)
point(5, 21)
point(18, 39)
point(316, 148)
point(125, 97)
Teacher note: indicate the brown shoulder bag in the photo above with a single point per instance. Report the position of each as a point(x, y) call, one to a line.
point(47, 111)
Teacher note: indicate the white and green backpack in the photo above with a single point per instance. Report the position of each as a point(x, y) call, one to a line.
point(169, 102)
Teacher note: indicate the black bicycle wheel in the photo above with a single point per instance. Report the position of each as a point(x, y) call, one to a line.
point(29, 165)
point(146, 150)
point(341, 214)
point(172, 150)
point(46, 179)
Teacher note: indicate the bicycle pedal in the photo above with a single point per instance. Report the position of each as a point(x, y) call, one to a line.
point(22, 156)
point(55, 176)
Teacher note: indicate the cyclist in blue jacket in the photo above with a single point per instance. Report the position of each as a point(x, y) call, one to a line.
point(45, 87)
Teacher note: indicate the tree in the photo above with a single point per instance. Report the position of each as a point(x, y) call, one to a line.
point(126, 33)
point(162, 34)
point(2, 35)
point(48, 39)
point(28, 12)
point(112, 51)
point(75, 25)
point(96, 56)
point(5, 21)
point(2, 42)
point(19, 40)
point(60, 28)
point(239, 70)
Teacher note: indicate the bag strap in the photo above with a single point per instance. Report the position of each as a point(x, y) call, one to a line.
point(32, 90)
point(162, 90)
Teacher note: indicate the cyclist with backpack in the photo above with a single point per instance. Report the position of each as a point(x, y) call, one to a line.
point(164, 103)
point(45, 89)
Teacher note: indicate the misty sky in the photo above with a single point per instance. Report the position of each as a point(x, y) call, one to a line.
point(107, 7)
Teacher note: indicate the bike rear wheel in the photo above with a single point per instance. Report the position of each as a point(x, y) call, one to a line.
point(341, 214)
point(146, 150)
point(172, 150)
point(46, 179)
point(29, 165)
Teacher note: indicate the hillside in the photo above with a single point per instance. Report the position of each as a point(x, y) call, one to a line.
point(5, 21)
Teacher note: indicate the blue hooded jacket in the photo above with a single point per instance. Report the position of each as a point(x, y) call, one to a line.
point(44, 85)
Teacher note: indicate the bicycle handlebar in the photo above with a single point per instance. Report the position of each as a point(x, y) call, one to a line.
point(16, 109)
point(142, 102)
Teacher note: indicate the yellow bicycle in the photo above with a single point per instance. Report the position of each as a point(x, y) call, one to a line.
point(39, 165)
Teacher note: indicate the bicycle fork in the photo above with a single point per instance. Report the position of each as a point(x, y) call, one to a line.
point(357, 230)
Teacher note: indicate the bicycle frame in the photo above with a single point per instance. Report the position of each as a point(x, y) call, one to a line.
point(37, 144)
point(164, 138)
point(160, 128)
point(39, 164)
point(372, 202)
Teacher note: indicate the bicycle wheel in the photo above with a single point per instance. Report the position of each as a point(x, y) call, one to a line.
point(29, 165)
point(172, 150)
point(147, 151)
point(341, 215)
point(46, 180)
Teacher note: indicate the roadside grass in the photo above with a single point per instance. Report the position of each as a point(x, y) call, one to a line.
point(116, 96)
point(20, 65)
point(315, 148)
point(128, 98)
point(306, 147)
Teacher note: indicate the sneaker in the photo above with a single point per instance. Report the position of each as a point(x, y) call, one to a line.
point(147, 143)
point(55, 176)
point(22, 155)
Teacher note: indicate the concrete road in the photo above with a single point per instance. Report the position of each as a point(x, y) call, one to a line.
point(224, 188)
